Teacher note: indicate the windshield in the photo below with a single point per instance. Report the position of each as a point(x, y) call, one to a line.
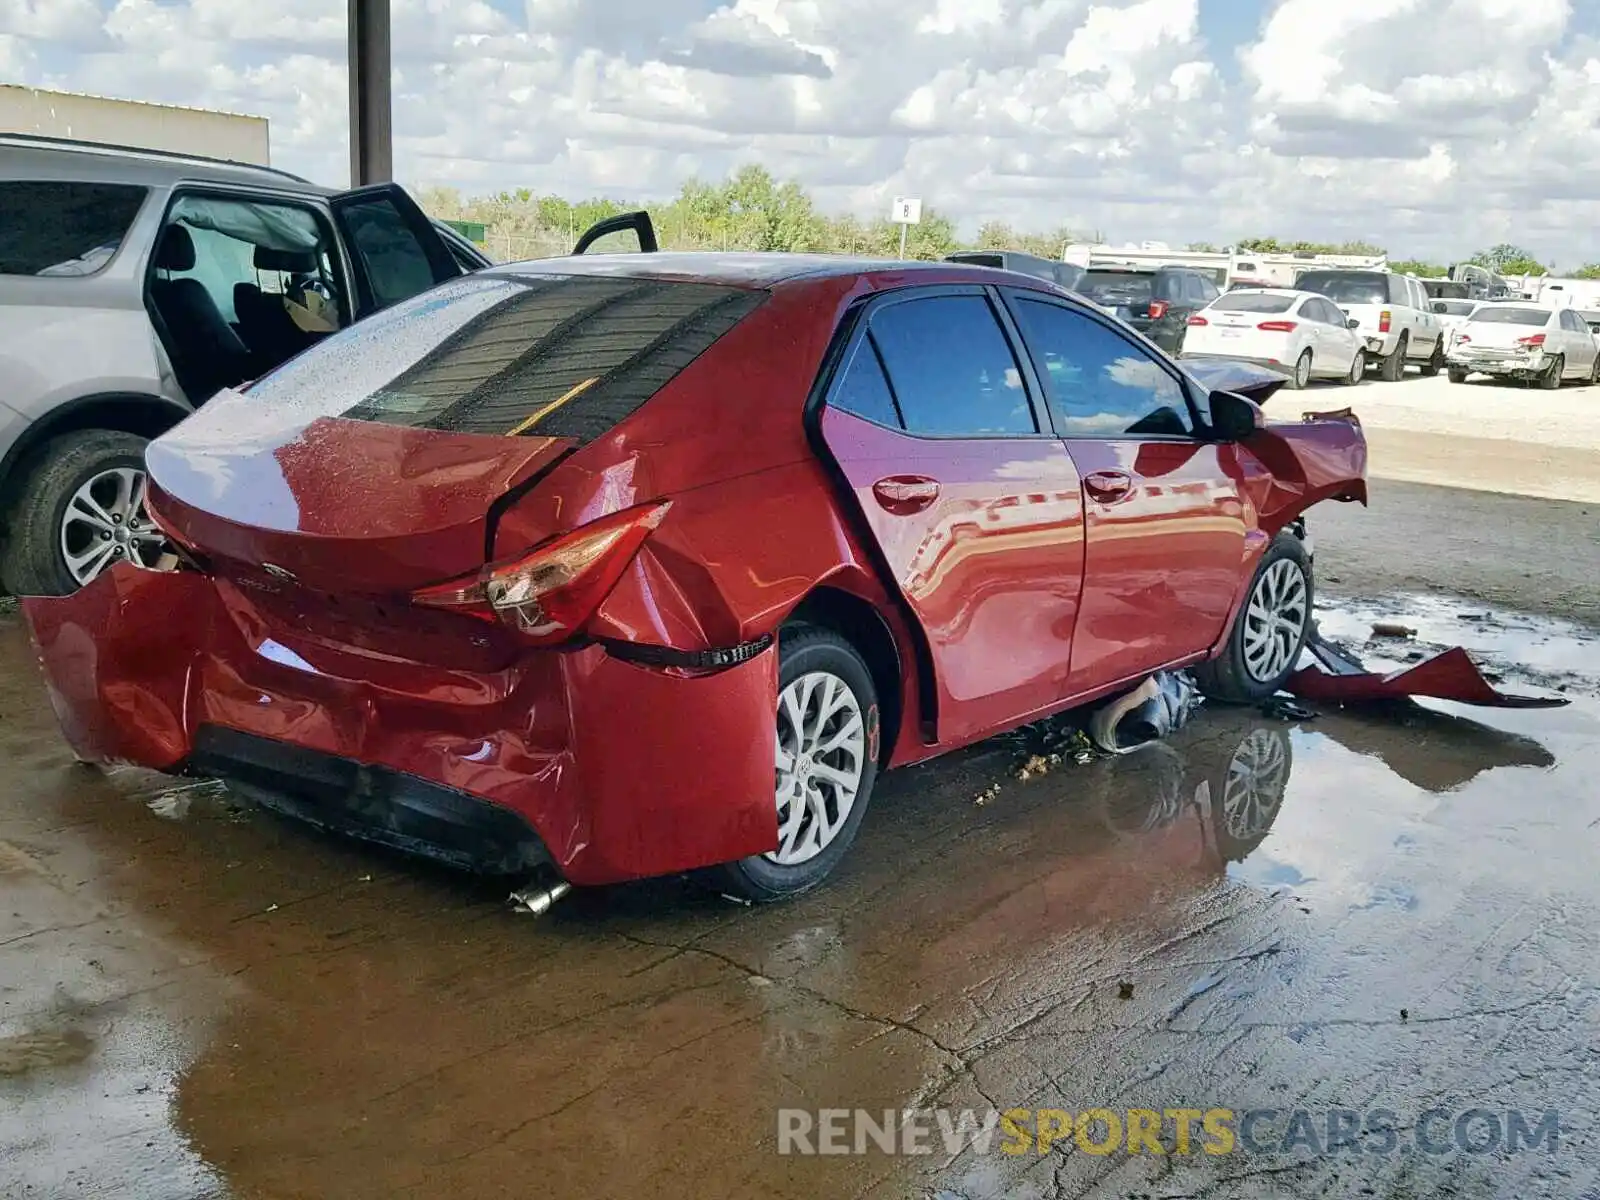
point(1255, 302)
point(1490, 315)
point(1346, 287)
point(1106, 286)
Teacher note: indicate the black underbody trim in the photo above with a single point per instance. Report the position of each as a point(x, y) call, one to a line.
point(376, 804)
point(700, 660)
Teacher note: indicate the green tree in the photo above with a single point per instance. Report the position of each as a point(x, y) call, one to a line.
point(1506, 259)
point(1587, 271)
point(1423, 270)
point(996, 235)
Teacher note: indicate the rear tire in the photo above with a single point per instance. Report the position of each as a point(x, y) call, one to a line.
point(825, 699)
point(1594, 372)
point(1302, 371)
point(34, 561)
point(1269, 630)
point(1435, 360)
point(1550, 377)
point(1394, 366)
point(1358, 369)
point(1456, 374)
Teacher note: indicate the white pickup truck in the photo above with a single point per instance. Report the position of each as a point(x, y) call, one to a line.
point(1393, 314)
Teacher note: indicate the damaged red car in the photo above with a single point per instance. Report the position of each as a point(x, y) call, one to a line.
point(639, 564)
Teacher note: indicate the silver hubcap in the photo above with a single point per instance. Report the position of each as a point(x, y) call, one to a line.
point(106, 522)
point(1302, 370)
point(822, 754)
point(1257, 778)
point(1275, 620)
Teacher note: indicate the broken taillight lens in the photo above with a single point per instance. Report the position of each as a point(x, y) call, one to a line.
point(1533, 340)
point(549, 593)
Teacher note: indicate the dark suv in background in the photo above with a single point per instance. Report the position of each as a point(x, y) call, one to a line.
point(1066, 274)
point(1157, 301)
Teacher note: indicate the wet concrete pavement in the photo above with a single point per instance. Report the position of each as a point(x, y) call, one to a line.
point(1355, 912)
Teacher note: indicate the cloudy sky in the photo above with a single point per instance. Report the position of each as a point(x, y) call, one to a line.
point(1434, 127)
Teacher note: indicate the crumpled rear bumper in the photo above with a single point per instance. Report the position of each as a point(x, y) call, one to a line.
point(622, 771)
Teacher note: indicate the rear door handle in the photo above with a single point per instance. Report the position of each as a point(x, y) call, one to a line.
point(901, 494)
point(1108, 486)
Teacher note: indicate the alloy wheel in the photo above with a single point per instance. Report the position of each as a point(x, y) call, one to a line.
point(1302, 370)
point(1275, 620)
point(1257, 778)
point(106, 522)
point(821, 758)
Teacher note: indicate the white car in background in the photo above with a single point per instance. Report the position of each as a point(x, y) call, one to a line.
point(1452, 315)
point(1525, 342)
point(1303, 335)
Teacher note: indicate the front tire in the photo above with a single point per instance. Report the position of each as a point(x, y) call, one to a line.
point(1358, 369)
point(827, 716)
point(1268, 631)
point(79, 508)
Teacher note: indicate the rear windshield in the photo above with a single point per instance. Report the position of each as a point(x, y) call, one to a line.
point(1346, 287)
point(538, 355)
point(63, 228)
point(1490, 315)
point(1258, 302)
point(1104, 286)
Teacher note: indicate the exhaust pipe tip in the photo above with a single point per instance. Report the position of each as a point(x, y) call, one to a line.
point(536, 901)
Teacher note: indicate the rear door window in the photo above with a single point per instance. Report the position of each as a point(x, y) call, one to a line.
point(533, 355)
point(951, 368)
point(63, 229)
point(1099, 384)
point(863, 389)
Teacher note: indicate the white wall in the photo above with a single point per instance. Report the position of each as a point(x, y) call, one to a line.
point(130, 123)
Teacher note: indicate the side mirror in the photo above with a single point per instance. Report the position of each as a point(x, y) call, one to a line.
point(1233, 418)
point(1352, 323)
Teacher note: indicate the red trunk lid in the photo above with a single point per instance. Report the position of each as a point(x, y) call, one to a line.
point(341, 505)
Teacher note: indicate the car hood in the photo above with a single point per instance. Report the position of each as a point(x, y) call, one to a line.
point(1241, 378)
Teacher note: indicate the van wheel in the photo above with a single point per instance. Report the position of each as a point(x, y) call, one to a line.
point(1269, 630)
point(79, 508)
point(1394, 367)
point(827, 717)
point(1435, 360)
point(1457, 375)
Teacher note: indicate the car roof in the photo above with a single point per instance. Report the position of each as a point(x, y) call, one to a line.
point(748, 269)
point(1272, 291)
point(29, 156)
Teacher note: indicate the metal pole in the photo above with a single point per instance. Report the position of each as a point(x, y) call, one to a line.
point(371, 122)
point(903, 228)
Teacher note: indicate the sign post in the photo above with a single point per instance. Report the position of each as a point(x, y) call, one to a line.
point(905, 212)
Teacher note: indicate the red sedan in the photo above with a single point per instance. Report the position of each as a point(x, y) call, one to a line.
point(551, 566)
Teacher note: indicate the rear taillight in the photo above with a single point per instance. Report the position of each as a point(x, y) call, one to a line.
point(549, 593)
point(1198, 320)
point(1383, 321)
point(1461, 337)
point(1158, 309)
point(1536, 339)
point(1278, 326)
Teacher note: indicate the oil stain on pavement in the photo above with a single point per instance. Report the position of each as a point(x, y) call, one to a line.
point(1392, 911)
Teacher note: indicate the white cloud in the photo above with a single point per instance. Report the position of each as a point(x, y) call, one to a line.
point(1432, 126)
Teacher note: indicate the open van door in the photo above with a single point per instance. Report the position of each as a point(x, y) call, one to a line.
point(638, 222)
point(393, 245)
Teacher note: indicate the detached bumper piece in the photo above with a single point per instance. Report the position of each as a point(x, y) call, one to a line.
point(373, 803)
point(1341, 678)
